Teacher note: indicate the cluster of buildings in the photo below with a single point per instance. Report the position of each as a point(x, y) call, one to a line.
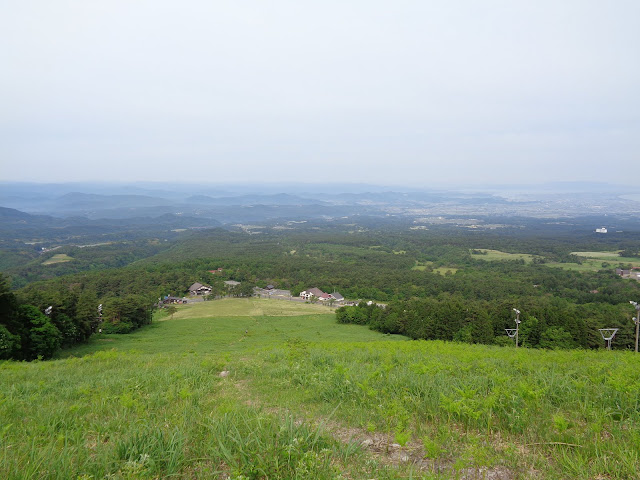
point(632, 273)
point(198, 290)
point(320, 295)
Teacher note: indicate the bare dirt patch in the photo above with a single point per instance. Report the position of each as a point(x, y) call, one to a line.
point(383, 448)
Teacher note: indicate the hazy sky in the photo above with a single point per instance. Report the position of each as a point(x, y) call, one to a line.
point(391, 92)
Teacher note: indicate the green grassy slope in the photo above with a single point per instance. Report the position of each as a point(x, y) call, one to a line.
point(230, 326)
point(307, 398)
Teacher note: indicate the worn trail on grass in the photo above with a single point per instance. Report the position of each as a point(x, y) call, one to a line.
point(379, 446)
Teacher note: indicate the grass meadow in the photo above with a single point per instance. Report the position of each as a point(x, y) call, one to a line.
point(497, 255)
point(591, 261)
point(305, 398)
point(57, 258)
point(422, 266)
point(594, 261)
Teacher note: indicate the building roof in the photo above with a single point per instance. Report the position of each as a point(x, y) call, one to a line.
point(315, 291)
point(231, 283)
point(337, 296)
point(196, 286)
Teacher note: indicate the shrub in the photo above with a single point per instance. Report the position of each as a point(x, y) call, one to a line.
point(9, 344)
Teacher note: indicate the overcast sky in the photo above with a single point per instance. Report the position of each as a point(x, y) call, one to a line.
point(389, 92)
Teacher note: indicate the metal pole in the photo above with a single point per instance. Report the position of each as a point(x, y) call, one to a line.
point(637, 320)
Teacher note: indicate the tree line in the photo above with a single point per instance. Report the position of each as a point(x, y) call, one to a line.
point(546, 322)
point(37, 325)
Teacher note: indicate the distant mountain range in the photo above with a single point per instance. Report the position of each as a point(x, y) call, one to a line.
point(14, 223)
point(275, 199)
point(204, 205)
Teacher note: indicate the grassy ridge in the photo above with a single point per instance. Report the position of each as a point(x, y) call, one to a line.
point(309, 398)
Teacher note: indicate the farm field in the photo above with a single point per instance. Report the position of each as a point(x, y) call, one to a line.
point(496, 255)
point(57, 258)
point(594, 261)
point(305, 397)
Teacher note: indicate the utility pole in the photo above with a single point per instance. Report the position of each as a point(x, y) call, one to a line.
point(513, 332)
point(517, 324)
point(636, 319)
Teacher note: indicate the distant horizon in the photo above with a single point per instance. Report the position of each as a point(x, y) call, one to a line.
point(10, 191)
point(320, 183)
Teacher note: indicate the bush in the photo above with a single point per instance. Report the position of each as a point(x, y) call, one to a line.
point(9, 344)
point(123, 315)
point(556, 337)
point(42, 339)
point(119, 327)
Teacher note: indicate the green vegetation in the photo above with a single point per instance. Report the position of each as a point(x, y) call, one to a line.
point(305, 397)
point(231, 325)
point(594, 261)
point(57, 258)
point(422, 266)
point(429, 266)
point(446, 268)
point(546, 322)
point(603, 255)
point(228, 307)
point(496, 255)
point(35, 328)
point(466, 410)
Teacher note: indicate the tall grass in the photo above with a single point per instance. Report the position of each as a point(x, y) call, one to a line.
point(152, 405)
point(580, 408)
point(131, 415)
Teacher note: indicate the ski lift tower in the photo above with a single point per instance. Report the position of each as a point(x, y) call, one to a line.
point(636, 319)
point(607, 335)
point(513, 332)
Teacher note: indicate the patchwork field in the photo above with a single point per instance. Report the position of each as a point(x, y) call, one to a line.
point(594, 261)
point(240, 389)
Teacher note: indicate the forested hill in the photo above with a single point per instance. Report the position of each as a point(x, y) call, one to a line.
point(442, 271)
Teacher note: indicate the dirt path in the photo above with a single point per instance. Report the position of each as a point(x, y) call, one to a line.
point(379, 446)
